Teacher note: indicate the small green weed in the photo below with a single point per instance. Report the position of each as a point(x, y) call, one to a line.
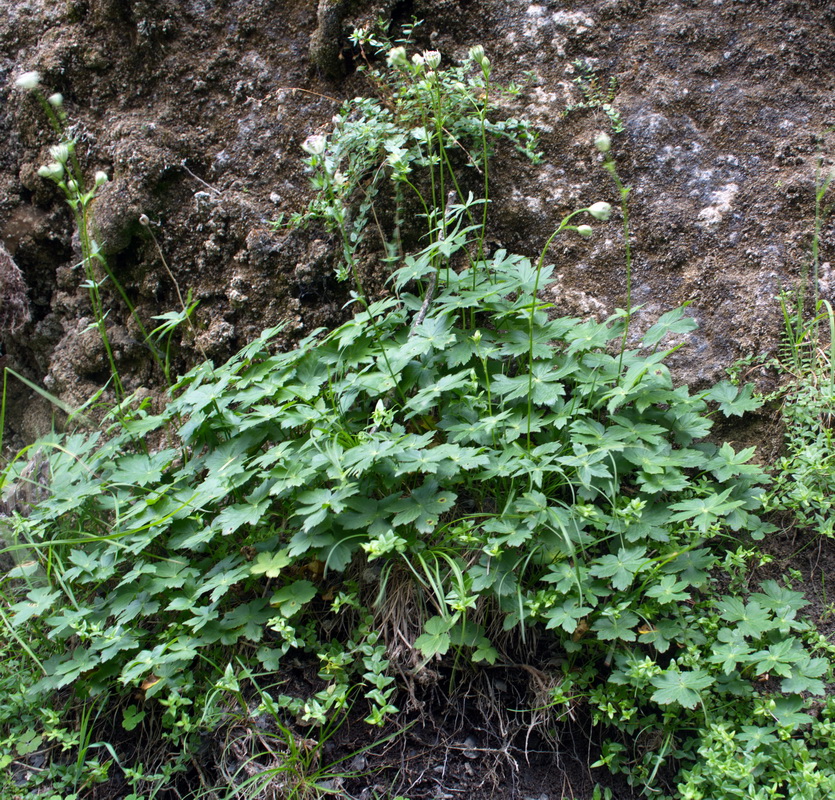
point(595, 97)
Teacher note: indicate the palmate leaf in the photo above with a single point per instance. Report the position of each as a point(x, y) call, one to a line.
point(429, 395)
point(567, 616)
point(517, 342)
point(36, 603)
point(436, 332)
point(142, 469)
point(66, 670)
point(733, 650)
point(672, 322)
point(621, 568)
point(436, 639)
point(542, 384)
point(588, 464)
point(750, 619)
point(248, 619)
point(315, 505)
point(705, 511)
point(233, 517)
point(669, 590)
point(616, 624)
point(290, 599)
point(589, 335)
point(805, 676)
point(727, 463)
point(692, 566)
point(423, 507)
point(225, 574)
point(675, 686)
point(734, 401)
point(270, 564)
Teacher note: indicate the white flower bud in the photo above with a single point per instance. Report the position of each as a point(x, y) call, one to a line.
point(72, 186)
point(477, 53)
point(60, 152)
point(602, 142)
point(601, 211)
point(585, 231)
point(144, 221)
point(101, 178)
point(432, 58)
point(315, 145)
point(418, 61)
point(28, 80)
point(397, 57)
point(56, 100)
point(53, 172)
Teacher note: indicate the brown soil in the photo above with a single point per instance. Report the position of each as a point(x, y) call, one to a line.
point(197, 109)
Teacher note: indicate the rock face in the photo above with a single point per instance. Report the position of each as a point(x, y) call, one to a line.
point(197, 108)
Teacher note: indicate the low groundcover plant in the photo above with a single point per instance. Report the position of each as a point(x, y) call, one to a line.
point(509, 472)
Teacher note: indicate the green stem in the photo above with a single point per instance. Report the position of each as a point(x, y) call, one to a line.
point(560, 228)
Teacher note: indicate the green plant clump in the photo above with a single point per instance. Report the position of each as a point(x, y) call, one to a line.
point(454, 443)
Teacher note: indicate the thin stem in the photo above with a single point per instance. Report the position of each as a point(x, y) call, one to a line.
point(623, 191)
point(560, 228)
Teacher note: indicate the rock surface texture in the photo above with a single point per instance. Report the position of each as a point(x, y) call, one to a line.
point(196, 109)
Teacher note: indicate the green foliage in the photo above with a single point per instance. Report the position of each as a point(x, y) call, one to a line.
point(517, 470)
point(564, 485)
point(429, 125)
point(595, 96)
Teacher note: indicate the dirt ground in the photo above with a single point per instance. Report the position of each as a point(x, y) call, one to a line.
point(196, 109)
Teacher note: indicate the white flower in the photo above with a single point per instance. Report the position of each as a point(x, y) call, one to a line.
point(53, 172)
point(315, 145)
point(432, 58)
point(56, 100)
point(601, 211)
point(477, 53)
point(397, 57)
point(418, 61)
point(60, 152)
point(101, 178)
point(602, 142)
point(28, 80)
point(585, 230)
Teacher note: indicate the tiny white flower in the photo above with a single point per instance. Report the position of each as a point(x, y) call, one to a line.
point(397, 57)
point(432, 58)
point(601, 211)
point(101, 178)
point(315, 145)
point(585, 230)
point(418, 61)
point(72, 186)
point(53, 172)
point(56, 100)
point(602, 142)
point(28, 80)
